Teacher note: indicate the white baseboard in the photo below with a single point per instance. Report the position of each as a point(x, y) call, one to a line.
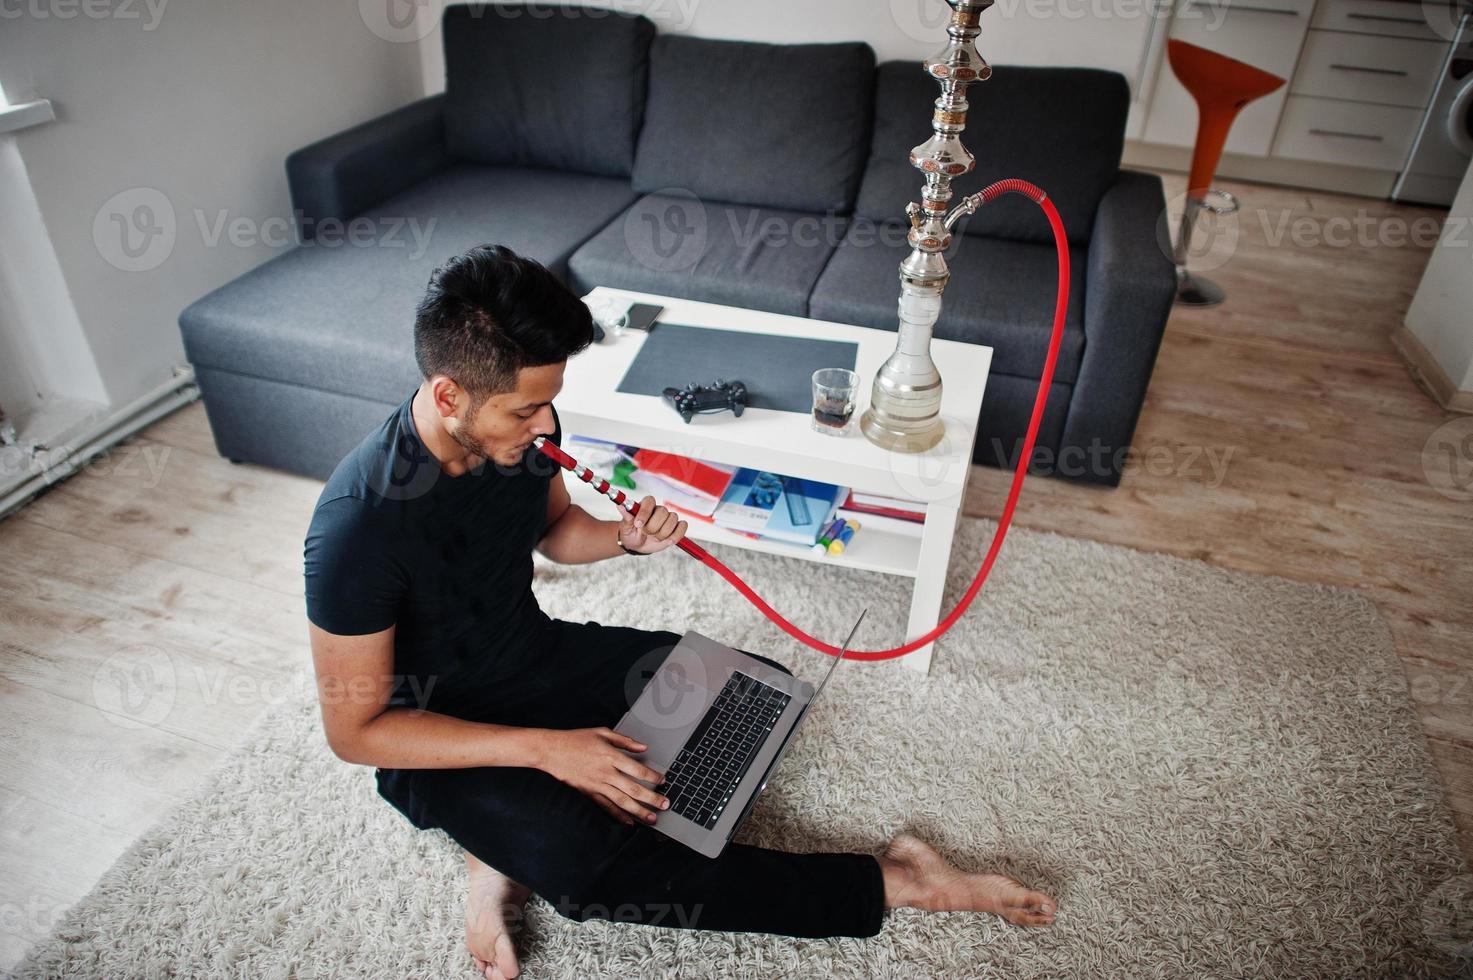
point(1429, 374)
point(1267, 170)
point(28, 472)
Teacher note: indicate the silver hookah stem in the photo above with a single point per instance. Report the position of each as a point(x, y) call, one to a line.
point(904, 413)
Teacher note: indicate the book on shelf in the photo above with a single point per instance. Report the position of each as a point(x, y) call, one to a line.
point(670, 494)
point(896, 507)
point(772, 506)
point(687, 514)
point(694, 477)
point(869, 521)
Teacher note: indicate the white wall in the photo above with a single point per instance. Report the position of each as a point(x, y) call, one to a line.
point(1441, 314)
point(43, 347)
point(183, 106)
point(1084, 33)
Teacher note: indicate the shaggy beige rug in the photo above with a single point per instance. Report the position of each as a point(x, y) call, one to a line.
point(1218, 775)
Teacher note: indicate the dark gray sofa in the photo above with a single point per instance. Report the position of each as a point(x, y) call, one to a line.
point(789, 198)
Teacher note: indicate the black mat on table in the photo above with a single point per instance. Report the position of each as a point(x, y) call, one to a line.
point(778, 371)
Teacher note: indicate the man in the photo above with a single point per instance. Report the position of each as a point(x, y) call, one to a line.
point(490, 720)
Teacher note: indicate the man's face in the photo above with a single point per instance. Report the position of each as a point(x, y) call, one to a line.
point(505, 424)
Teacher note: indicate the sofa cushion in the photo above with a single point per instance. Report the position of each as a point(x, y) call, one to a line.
point(1061, 128)
point(535, 85)
point(1001, 294)
point(340, 317)
point(758, 258)
point(780, 126)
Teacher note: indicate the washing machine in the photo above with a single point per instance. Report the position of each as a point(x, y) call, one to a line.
point(1444, 145)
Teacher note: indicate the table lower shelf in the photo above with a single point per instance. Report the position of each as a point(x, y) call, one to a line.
point(871, 549)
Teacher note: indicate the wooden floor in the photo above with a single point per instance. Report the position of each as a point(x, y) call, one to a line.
point(170, 575)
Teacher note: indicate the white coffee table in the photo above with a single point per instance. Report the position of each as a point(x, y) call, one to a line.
point(784, 442)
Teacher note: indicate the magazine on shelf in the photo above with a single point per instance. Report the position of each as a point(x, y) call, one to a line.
point(670, 494)
point(695, 477)
point(778, 507)
point(879, 522)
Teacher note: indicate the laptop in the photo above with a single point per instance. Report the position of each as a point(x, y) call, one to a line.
point(717, 723)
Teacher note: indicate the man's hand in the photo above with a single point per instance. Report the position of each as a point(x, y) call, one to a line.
point(595, 761)
point(655, 529)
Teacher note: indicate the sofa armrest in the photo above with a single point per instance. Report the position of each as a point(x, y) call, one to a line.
point(1130, 286)
point(342, 176)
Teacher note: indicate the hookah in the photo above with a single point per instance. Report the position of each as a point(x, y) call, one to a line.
point(904, 413)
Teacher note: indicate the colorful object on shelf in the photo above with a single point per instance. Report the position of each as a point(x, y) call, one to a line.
point(837, 546)
point(821, 546)
point(624, 474)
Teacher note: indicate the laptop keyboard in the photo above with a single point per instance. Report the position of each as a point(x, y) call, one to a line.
point(700, 781)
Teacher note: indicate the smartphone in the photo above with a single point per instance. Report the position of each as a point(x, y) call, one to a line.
point(641, 316)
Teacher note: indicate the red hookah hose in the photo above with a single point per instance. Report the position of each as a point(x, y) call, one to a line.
point(989, 194)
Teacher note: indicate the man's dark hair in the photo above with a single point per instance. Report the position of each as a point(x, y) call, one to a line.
point(489, 313)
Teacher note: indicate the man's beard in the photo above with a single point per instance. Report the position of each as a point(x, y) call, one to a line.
point(469, 443)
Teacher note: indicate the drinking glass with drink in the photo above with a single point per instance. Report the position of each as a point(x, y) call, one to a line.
point(833, 400)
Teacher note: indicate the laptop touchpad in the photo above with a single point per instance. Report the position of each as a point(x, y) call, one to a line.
point(668, 709)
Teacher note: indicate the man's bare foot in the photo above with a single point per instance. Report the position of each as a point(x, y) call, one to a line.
point(493, 909)
point(919, 878)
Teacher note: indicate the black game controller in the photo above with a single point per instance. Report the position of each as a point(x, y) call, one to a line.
point(697, 399)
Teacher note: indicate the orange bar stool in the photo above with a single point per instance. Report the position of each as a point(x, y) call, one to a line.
point(1222, 86)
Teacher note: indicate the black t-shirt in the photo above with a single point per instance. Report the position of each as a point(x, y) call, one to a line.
point(394, 540)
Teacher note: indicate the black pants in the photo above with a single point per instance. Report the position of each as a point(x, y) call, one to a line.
point(558, 842)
